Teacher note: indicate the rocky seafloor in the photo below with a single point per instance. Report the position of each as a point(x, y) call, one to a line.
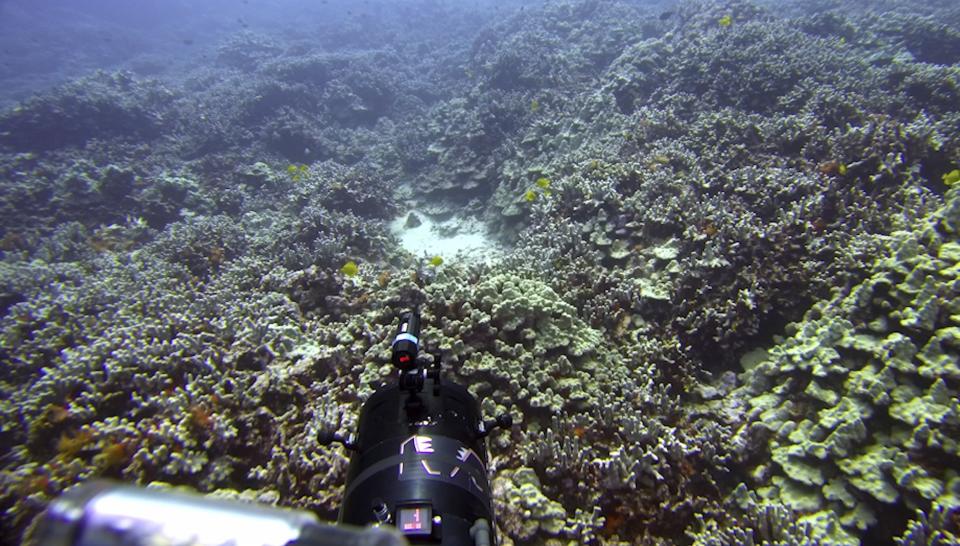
point(723, 309)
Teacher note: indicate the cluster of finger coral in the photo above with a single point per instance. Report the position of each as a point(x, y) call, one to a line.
point(753, 172)
point(165, 355)
point(169, 364)
point(679, 187)
point(591, 415)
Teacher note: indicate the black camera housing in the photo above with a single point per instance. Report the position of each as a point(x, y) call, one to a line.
point(420, 455)
point(420, 451)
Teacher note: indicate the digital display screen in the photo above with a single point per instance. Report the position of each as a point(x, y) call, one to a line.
point(415, 520)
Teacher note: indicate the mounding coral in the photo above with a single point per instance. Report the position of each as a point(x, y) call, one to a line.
point(860, 401)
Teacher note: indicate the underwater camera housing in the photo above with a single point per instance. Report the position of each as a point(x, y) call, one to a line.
point(420, 456)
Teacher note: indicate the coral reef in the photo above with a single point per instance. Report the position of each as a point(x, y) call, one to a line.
point(937, 528)
point(104, 105)
point(679, 190)
point(860, 401)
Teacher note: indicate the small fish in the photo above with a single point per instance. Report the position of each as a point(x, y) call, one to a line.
point(725, 21)
point(530, 196)
point(436, 261)
point(543, 182)
point(296, 172)
point(534, 105)
point(952, 177)
point(666, 15)
point(842, 169)
point(350, 269)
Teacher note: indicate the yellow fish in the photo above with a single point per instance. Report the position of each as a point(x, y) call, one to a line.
point(530, 196)
point(726, 20)
point(350, 269)
point(952, 177)
point(436, 261)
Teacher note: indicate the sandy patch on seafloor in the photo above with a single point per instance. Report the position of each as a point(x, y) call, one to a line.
point(456, 239)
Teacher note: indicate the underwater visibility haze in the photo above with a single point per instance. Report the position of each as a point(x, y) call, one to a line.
point(705, 254)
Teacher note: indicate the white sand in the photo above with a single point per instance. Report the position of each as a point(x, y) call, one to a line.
point(468, 242)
